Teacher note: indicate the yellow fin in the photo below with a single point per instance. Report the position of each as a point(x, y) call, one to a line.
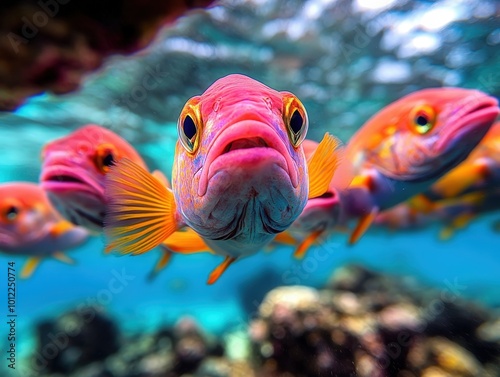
point(322, 165)
point(421, 203)
point(61, 257)
point(363, 181)
point(460, 179)
point(446, 233)
point(161, 177)
point(186, 242)
point(30, 267)
point(166, 256)
point(60, 228)
point(362, 226)
point(141, 210)
point(285, 238)
point(301, 250)
point(219, 270)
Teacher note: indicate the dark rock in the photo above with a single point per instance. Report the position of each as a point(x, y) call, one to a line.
point(74, 340)
point(51, 45)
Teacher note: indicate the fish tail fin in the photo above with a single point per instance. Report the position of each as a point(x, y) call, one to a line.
point(141, 210)
point(322, 165)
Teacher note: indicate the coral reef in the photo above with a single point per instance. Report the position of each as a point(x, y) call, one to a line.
point(51, 44)
point(370, 325)
point(361, 324)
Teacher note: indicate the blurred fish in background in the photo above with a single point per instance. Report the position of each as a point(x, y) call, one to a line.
point(30, 226)
point(397, 303)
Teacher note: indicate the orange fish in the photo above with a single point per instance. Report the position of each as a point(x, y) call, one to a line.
point(472, 188)
point(408, 145)
point(73, 174)
point(239, 178)
point(30, 226)
point(402, 150)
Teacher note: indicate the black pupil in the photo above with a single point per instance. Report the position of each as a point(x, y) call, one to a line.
point(296, 122)
point(12, 212)
point(189, 127)
point(422, 120)
point(108, 160)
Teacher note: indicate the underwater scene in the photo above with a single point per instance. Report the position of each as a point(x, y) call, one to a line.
point(254, 188)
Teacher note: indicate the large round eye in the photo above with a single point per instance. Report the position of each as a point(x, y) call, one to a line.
point(422, 119)
point(105, 157)
point(295, 118)
point(189, 125)
point(10, 210)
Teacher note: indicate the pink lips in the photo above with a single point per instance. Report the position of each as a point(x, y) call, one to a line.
point(249, 139)
point(476, 113)
point(58, 177)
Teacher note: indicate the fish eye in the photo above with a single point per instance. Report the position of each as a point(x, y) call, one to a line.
point(106, 157)
point(11, 213)
point(295, 118)
point(189, 125)
point(10, 210)
point(422, 119)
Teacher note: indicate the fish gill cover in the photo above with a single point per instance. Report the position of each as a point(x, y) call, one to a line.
point(345, 60)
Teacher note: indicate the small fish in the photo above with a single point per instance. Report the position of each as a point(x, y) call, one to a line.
point(73, 174)
point(408, 145)
point(239, 177)
point(30, 226)
point(470, 189)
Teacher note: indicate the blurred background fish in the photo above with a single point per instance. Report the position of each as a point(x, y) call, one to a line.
point(30, 226)
point(397, 303)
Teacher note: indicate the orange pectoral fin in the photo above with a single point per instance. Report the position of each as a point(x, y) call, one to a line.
point(322, 165)
point(30, 267)
point(166, 256)
point(141, 210)
point(219, 270)
point(422, 204)
point(61, 228)
point(285, 238)
point(186, 242)
point(161, 177)
point(363, 225)
point(301, 250)
point(61, 257)
point(460, 179)
point(362, 181)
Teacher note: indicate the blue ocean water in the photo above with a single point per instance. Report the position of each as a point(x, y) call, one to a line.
point(340, 94)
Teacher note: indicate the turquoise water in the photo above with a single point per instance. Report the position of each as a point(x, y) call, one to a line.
point(191, 55)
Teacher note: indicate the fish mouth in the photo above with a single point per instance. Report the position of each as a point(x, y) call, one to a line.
point(248, 142)
point(6, 241)
point(60, 178)
point(470, 123)
point(462, 133)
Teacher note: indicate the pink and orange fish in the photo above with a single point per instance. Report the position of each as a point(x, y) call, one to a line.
point(73, 174)
point(401, 151)
point(239, 178)
point(472, 188)
point(30, 226)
